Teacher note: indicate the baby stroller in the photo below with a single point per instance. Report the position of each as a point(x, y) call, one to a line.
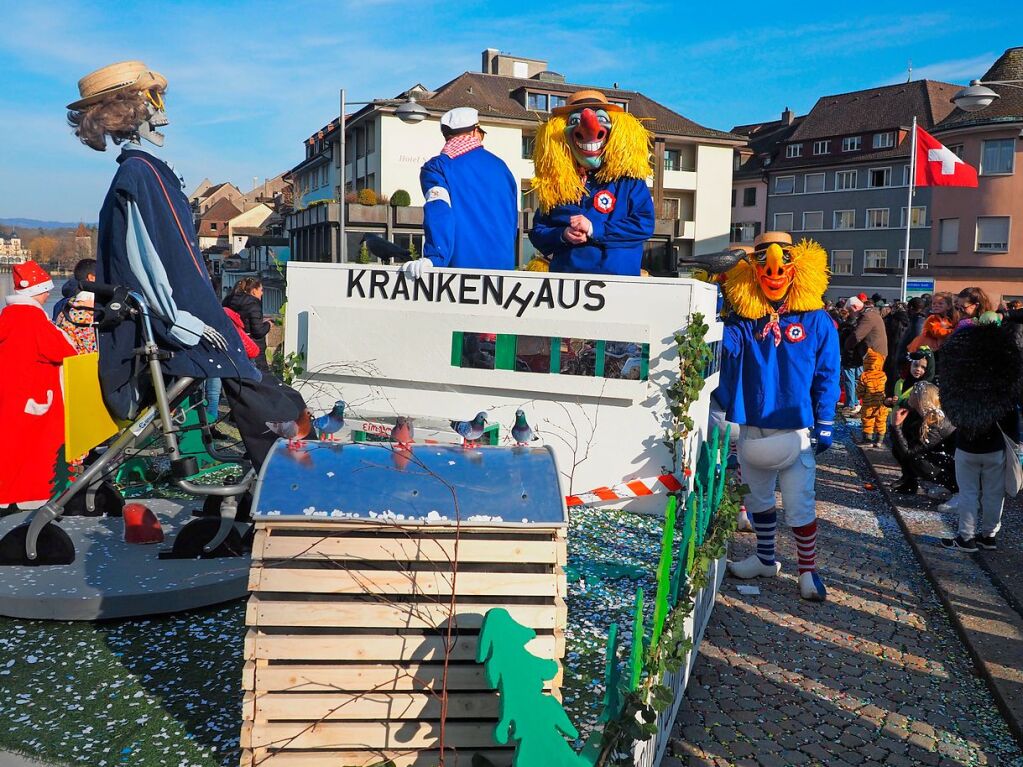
point(218, 532)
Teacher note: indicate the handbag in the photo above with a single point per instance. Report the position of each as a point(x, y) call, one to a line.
point(1013, 469)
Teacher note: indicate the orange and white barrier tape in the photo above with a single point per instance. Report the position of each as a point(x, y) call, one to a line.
point(631, 489)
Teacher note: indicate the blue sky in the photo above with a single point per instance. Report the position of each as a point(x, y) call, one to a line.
point(250, 80)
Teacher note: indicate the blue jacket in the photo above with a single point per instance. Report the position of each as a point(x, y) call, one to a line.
point(471, 211)
point(619, 233)
point(789, 386)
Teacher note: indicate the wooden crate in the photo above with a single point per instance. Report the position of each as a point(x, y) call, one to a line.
point(348, 633)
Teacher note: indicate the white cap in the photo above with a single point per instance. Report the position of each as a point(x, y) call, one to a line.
point(460, 119)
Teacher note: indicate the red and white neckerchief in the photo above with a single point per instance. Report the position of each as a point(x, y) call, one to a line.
point(461, 144)
point(773, 326)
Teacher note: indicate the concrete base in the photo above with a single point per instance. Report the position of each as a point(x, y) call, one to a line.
point(112, 579)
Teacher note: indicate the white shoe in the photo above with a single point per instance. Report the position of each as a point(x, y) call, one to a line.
point(952, 504)
point(752, 567)
point(743, 525)
point(811, 587)
point(852, 410)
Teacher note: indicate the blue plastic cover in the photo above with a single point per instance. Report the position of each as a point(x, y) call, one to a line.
point(384, 483)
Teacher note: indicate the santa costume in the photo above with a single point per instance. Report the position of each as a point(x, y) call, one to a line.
point(31, 401)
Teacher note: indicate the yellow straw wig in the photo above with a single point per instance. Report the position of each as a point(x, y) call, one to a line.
point(557, 181)
point(806, 293)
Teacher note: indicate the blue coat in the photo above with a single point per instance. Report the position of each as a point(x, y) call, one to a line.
point(789, 386)
point(619, 233)
point(145, 201)
point(471, 211)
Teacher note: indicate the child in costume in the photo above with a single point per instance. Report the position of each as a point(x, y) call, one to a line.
point(921, 369)
point(31, 401)
point(779, 380)
point(870, 391)
point(592, 159)
point(923, 441)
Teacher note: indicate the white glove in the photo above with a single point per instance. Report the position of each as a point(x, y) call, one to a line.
point(414, 269)
point(215, 339)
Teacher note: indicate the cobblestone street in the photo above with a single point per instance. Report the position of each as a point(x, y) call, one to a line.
point(874, 676)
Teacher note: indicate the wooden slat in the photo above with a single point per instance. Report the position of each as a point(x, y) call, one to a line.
point(373, 647)
point(266, 758)
point(394, 677)
point(371, 706)
point(339, 580)
point(366, 735)
point(264, 612)
point(391, 548)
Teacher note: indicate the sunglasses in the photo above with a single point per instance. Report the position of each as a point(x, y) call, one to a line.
point(155, 97)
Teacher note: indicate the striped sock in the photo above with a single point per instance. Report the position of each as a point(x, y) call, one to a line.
point(764, 524)
point(806, 546)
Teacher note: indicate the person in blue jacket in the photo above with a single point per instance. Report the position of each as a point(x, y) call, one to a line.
point(596, 212)
point(470, 216)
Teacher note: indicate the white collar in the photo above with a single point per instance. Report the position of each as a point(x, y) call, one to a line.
point(15, 300)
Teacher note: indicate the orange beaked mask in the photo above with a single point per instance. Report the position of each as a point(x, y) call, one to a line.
point(775, 271)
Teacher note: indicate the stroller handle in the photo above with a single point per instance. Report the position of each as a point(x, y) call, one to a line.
point(102, 290)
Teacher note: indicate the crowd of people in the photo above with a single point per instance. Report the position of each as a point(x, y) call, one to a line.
point(938, 376)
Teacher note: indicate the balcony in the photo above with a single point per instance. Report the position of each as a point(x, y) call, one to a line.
point(315, 215)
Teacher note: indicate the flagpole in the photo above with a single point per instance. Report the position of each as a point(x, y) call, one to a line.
point(909, 207)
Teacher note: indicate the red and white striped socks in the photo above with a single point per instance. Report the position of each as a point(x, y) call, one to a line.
point(806, 546)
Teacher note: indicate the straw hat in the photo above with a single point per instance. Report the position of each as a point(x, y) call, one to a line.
point(772, 238)
point(97, 85)
point(583, 99)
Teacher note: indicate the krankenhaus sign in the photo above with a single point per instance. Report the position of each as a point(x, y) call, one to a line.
point(506, 291)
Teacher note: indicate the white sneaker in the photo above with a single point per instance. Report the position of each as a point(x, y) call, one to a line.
point(752, 567)
point(743, 525)
point(952, 504)
point(811, 587)
point(852, 410)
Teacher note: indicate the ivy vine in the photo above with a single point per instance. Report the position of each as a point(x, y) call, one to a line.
point(693, 357)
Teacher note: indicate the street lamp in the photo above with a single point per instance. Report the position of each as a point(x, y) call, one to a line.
point(978, 96)
point(408, 111)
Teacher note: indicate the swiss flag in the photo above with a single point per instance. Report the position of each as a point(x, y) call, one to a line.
point(937, 165)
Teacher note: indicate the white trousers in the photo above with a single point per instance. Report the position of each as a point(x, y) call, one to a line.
point(795, 475)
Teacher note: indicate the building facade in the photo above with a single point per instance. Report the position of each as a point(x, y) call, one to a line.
point(12, 251)
point(977, 237)
point(691, 183)
point(842, 179)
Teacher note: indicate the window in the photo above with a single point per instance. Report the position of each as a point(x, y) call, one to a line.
point(879, 177)
point(733, 198)
point(782, 222)
point(814, 182)
point(884, 140)
point(916, 257)
point(213, 226)
point(558, 101)
point(845, 219)
point(845, 179)
point(672, 205)
point(622, 104)
point(745, 232)
point(526, 199)
point(874, 260)
point(948, 238)
point(918, 218)
point(784, 184)
point(537, 101)
point(672, 159)
point(371, 138)
point(749, 197)
point(841, 262)
point(877, 218)
point(736, 161)
point(821, 147)
point(957, 150)
point(528, 142)
point(851, 143)
point(794, 150)
point(996, 156)
point(813, 220)
point(992, 233)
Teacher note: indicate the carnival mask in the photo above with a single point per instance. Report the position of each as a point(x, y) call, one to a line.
point(157, 118)
point(587, 131)
point(775, 271)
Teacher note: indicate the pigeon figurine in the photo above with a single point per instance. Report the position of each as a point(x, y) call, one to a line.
point(331, 423)
point(522, 432)
point(471, 431)
point(293, 431)
point(404, 432)
point(716, 263)
point(384, 249)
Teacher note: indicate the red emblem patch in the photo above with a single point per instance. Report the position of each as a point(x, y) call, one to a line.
point(795, 333)
point(604, 201)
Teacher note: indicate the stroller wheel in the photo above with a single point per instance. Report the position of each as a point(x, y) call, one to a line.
point(54, 547)
point(109, 502)
point(190, 540)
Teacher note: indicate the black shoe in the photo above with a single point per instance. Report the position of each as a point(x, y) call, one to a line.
point(905, 488)
point(987, 542)
point(959, 543)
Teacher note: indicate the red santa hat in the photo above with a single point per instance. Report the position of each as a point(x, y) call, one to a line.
point(30, 279)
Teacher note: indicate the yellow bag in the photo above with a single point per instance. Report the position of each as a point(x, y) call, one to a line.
point(86, 420)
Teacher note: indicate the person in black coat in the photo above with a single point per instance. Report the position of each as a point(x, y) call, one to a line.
point(246, 298)
point(895, 324)
point(923, 441)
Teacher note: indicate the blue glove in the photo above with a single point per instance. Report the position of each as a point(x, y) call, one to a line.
point(822, 433)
